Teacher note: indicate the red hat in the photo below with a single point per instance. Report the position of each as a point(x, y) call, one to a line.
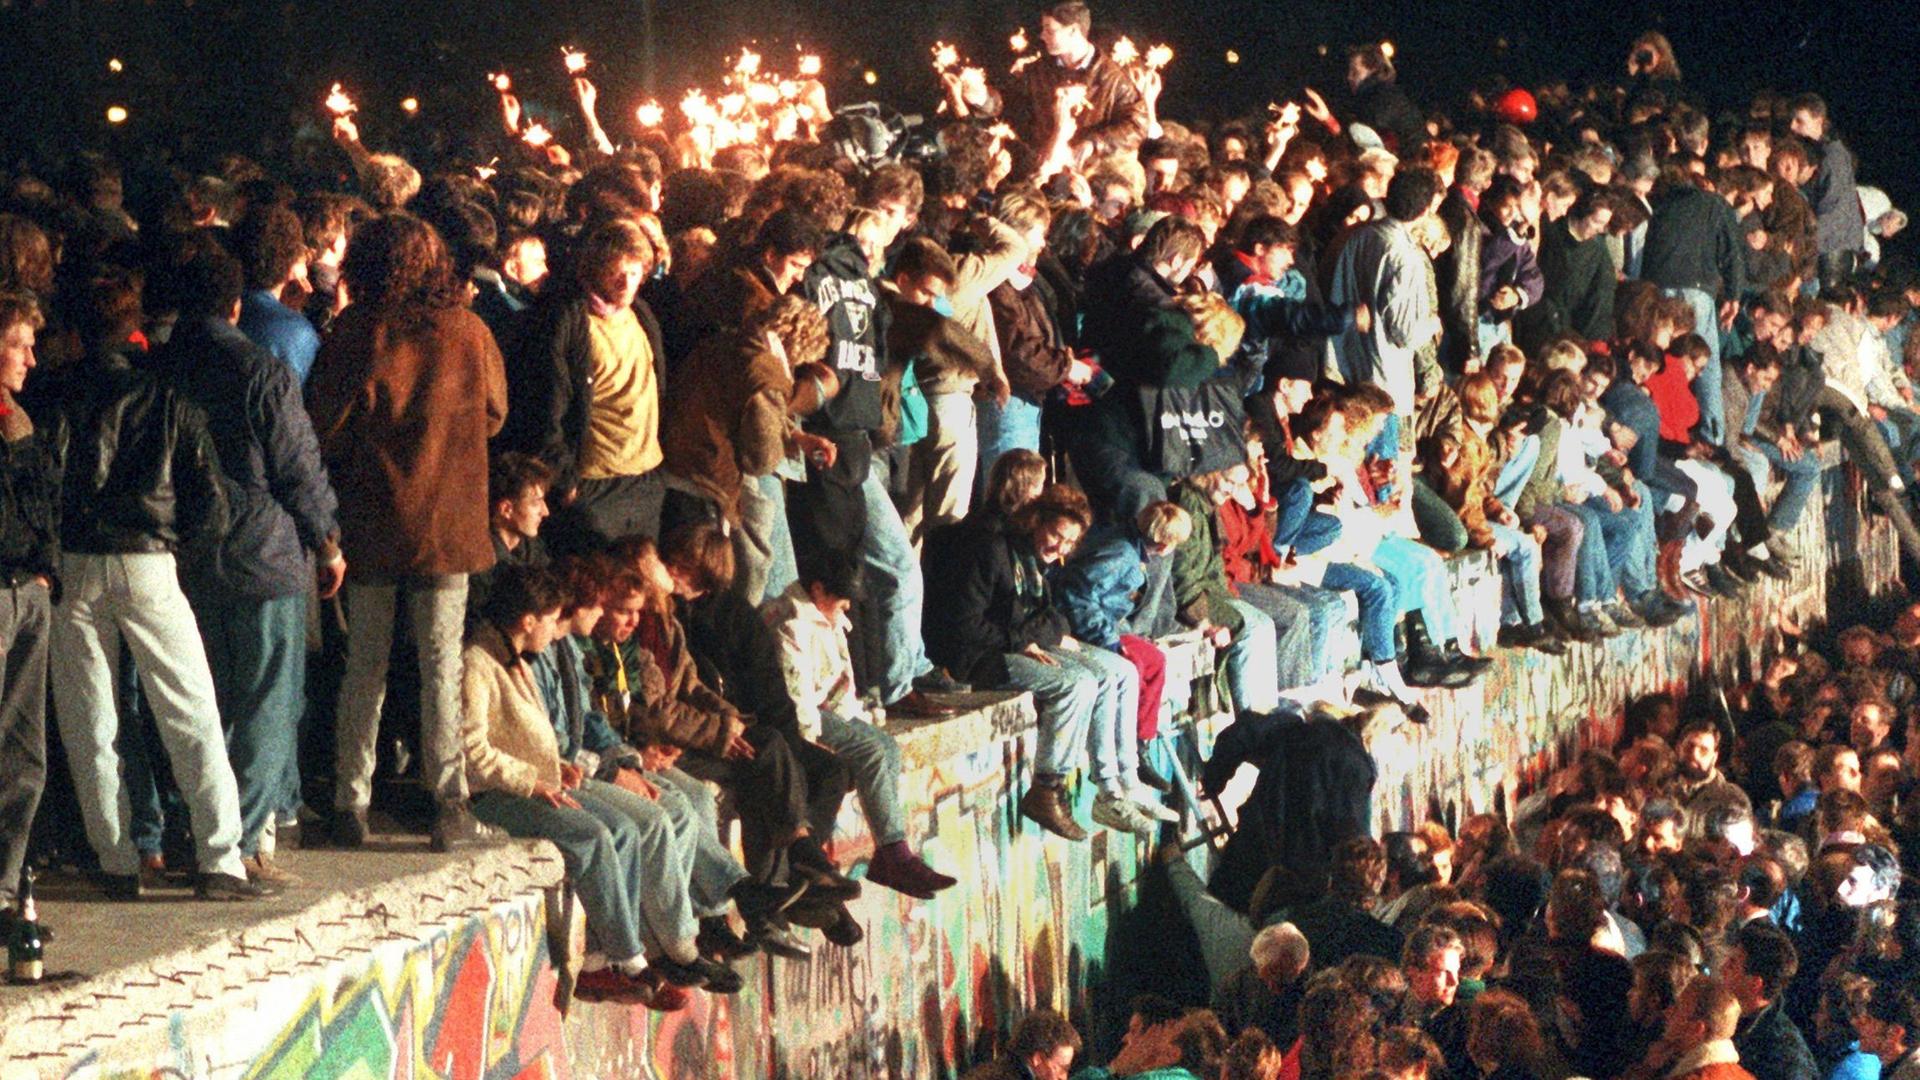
point(1516, 106)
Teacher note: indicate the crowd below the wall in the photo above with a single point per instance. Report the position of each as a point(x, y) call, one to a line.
point(659, 480)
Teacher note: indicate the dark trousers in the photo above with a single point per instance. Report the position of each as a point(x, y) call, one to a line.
point(603, 511)
point(25, 617)
point(785, 785)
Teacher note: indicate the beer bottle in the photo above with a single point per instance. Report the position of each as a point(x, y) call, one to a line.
point(26, 954)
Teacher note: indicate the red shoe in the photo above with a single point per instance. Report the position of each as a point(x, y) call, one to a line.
point(898, 868)
point(611, 984)
point(663, 995)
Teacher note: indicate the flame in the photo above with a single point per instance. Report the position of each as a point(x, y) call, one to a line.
point(1125, 52)
point(650, 114)
point(537, 134)
point(409, 105)
point(809, 66)
point(732, 104)
point(1158, 57)
point(502, 81)
point(575, 59)
point(945, 56)
point(1018, 42)
point(762, 93)
point(697, 109)
point(748, 64)
point(338, 103)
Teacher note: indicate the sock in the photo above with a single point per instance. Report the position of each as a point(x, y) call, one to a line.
point(631, 967)
point(682, 952)
point(1386, 674)
point(1758, 551)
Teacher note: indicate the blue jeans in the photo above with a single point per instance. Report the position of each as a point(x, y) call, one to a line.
point(257, 652)
point(1064, 697)
point(620, 853)
point(1517, 471)
point(1379, 606)
point(1296, 526)
point(1326, 613)
point(1706, 385)
point(888, 615)
point(1420, 583)
point(1013, 426)
point(1521, 568)
point(696, 821)
point(1250, 662)
point(1802, 475)
point(872, 758)
point(1112, 741)
point(1593, 570)
point(1294, 629)
point(763, 544)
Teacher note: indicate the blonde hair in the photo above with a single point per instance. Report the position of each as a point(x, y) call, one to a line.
point(1165, 524)
point(1214, 323)
point(1564, 355)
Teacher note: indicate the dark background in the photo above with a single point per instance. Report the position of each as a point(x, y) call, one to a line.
point(235, 74)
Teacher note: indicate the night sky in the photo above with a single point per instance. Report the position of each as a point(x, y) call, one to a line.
point(232, 72)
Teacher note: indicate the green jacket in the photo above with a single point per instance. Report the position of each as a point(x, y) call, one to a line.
point(1200, 591)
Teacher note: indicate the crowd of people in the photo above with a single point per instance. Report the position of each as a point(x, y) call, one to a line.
point(696, 467)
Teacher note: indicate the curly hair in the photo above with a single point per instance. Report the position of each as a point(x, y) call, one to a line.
point(26, 256)
point(799, 325)
point(1214, 323)
point(398, 265)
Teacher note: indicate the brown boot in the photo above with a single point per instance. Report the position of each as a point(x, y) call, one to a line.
point(262, 868)
point(1046, 806)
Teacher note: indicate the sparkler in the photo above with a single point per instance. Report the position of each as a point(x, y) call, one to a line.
point(114, 65)
point(748, 65)
point(945, 56)
point(869, 77)
point(575, 59)
point(409, 105)
point(537, 135)
point(1018, 42)
point(338, 103)
point(1125, 52)
point(1316, 170)
point(1158, 57)
point(1386, 49)
point(501, 81)
point(650, 114)
point(487, 171)
point(1233, 57)
point(116, 114)
point(809, 67)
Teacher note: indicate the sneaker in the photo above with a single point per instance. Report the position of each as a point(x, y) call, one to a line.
point(1151, 777)
point(1149, 803)
point(938, 681)
point(918, 706)
point(845, 931)
point(612, 984)
point(226, 887)
point(1624, 617)
point(350, 828)
point(776, 940)
point(1118, 814)
point(262, 867)
point(454, 826)
point(1046, 806)
point(717, 940)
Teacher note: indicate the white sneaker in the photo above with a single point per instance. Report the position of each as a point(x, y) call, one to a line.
point(1148, 800)
point(1119, 814)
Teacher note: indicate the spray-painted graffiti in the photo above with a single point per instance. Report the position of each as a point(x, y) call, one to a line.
point(473, 1003)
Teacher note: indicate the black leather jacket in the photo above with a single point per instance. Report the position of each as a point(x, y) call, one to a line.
point(140, 472)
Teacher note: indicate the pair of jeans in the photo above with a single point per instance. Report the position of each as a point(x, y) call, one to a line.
point(257, 651)
point(763, 543)
point(1560, 555)
point(696, 821)
point(941, 466)
point(887, 615)
point(1112, 748)
point(1013, 426)
point(872, 758)
point(1420, 583)
point(437, 607)
point(1521, 568)
point(137, 599)
point(1251, 666)
point(1513, 476)
point(620, 852)
point(1379, 606)
point(1593, 567)
point(1305, 620)
point(26, 621)
point(1297, 526)
point(1706, 385)
point(1801, 475)
point(1064, 697)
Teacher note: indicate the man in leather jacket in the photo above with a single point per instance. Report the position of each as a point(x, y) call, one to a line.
point(141, 481)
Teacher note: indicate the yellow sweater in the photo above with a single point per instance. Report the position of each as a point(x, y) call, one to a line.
point(623, 417)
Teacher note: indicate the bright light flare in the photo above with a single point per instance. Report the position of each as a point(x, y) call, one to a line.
point(575, 59)
point(116, 114)
point(650, 114)
point(1158, 57)
point(338, 103)
point(501, 81)
point(809, 66)
point(409, 105)
point(537, 135)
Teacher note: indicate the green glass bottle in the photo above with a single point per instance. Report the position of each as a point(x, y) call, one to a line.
point(26, 953)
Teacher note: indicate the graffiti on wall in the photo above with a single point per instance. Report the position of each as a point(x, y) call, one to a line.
point(472, 1003)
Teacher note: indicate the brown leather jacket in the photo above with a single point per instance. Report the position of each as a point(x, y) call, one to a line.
point(1113, 122)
